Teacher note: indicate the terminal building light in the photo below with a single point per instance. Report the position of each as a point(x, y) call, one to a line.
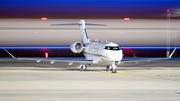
point(126, 18)
point(44, 18)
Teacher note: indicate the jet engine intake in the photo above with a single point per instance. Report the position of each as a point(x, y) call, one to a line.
point(76, 47)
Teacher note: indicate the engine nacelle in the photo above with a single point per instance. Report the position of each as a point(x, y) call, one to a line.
point(76, 47)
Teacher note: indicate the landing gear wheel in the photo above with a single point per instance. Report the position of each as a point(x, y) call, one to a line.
point(81, 69)
point(114, 68)
point(114, 71)
point(85, 69)
point(109, 68)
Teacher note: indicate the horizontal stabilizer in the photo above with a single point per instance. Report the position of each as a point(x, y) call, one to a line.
point(95, 24)
point(65, 24)
point(81, 24)
point(77, 24)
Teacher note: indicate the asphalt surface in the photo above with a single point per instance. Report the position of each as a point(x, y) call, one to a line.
point(28, 80)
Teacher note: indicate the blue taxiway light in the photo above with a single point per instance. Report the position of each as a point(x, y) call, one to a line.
point(38, 47)
point(148, 47)
point(67, 47)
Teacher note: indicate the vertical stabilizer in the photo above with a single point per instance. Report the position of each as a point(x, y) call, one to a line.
point(84, 36)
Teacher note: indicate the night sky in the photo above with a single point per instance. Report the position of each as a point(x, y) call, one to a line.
point(88, 8)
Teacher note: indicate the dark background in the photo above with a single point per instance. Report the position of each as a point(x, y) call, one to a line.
point(93, 9)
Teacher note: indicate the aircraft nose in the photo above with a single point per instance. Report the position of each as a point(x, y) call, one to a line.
point(116, 55)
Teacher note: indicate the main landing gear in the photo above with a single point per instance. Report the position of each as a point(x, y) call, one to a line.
point(109, 68)
point(82, 67)
point(112, 68)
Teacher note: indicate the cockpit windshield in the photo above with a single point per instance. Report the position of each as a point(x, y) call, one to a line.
point(112, 48)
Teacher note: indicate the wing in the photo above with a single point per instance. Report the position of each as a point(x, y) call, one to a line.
point(52, 60)
point(136, 60)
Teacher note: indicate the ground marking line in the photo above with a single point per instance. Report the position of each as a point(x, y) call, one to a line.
point(135, 74)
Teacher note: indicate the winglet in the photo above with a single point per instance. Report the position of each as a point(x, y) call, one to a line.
point(9, 53)
point(172, 53)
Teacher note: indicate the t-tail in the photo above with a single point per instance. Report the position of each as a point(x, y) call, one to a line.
point(84, 35)
point(81, 24)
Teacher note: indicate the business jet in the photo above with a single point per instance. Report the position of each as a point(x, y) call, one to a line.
point(95, 52)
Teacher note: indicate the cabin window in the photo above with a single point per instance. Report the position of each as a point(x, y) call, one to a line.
point(93, 49)
point(112, 48)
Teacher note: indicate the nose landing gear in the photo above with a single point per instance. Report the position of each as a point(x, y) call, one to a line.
point(112, 68)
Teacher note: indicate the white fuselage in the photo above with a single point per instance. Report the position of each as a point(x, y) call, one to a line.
point(103, 52)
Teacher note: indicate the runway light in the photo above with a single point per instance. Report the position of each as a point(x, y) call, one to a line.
point(43, 18)
point(126, 19)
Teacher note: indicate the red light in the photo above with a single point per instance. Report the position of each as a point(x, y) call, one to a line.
point(126, 18)
point(46, 55)
point(168, 10)
point(43, 18)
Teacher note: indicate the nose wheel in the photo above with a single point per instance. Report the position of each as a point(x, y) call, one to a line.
point(112, 68)
point(114, 71)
